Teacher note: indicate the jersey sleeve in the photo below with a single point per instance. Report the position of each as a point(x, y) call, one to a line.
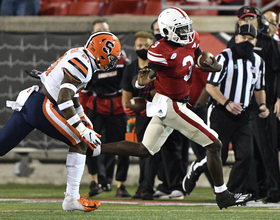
point(156, 55)
point(77, 67)
point(215, 78)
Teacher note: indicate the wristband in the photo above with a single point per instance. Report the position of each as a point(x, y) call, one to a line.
point(137, 86)
point(65, 105)
point(69, 86)
point(74, 119)
point(262, 104)
point(80, 111)
point(226, 103)
point(81, 127)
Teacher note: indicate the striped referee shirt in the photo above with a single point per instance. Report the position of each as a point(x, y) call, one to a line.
point(238, 78)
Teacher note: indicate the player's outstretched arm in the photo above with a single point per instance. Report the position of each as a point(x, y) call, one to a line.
point(206, 62)
point(144, 76)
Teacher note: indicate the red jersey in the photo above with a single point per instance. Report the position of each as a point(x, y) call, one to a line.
point(198, 82)
point(174, 79)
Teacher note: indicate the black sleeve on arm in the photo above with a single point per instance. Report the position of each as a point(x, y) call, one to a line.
point(197, 51)
point(154, 67)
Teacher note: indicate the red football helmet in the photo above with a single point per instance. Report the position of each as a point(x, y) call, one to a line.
point(104, 48)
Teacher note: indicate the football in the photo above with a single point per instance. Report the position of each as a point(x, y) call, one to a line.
point(204, 57)
point(137, 104)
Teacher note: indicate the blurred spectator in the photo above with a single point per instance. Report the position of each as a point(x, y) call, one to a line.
point(20, 7)
point(143, 40)
point(271, 17)
point(265, 130)
point(103, 104)
point(276, 36)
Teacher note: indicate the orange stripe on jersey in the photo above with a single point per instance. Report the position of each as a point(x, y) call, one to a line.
point(69, 74)
point(63, 120)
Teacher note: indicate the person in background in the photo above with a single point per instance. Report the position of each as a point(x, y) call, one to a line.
point(271, 18)
point(102, 101)
point(20, 7)
point(229, 114)
point(276, 36)
point(265, 129)
point(143, 40)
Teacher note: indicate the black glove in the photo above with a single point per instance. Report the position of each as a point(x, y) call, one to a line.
point(34, 73)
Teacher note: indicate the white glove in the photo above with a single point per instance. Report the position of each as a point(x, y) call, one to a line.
point(84, 117)
point(88, 134)
point(91, 136)
point(88, 121)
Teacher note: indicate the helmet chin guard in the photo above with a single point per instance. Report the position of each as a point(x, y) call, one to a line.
point(176, 26)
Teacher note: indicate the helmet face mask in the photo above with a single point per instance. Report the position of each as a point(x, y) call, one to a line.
point(104, 48)
point(176, 26)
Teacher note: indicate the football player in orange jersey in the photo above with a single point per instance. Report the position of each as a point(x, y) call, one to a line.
point(53, 107)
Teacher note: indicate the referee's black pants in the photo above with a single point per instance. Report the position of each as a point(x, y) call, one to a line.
point(266, 153)
point(238, 130)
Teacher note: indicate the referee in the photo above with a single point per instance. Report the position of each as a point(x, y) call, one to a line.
point(232, 88)
point(265, 130)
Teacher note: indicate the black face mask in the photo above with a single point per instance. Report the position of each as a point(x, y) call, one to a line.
point(243, 50)
point(158, 36)
point(143, 54)
point(265, 29)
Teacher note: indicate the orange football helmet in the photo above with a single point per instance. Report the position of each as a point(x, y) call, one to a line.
point(104, 48)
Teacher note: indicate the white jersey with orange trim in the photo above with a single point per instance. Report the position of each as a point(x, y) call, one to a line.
point(76, 63)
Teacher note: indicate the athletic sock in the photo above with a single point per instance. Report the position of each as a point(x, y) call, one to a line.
point(75, 164)
point(220, 189)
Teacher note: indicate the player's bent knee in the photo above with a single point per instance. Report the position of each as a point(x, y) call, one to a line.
point(214, 147)
point(144, 151)
point(80, 148)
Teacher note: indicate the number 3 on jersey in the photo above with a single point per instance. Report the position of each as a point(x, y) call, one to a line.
point(188, 61)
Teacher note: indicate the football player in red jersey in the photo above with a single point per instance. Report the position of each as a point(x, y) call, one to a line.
point(171, 60)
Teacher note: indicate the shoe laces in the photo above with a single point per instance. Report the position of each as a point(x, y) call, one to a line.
point(191, 170)
point(237, 195)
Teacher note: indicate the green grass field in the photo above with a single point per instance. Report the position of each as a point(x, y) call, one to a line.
point(45, 203)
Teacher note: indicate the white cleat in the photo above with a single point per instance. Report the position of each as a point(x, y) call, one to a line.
point(71, 204)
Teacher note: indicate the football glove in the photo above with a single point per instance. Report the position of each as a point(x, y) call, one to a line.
point(89, 135)
point(87, 121)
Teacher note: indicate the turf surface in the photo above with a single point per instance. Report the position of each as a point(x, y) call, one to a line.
point(44, 202)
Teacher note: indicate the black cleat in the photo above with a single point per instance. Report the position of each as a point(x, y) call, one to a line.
point(95, 189)
point(195, 170)
point(137, 194)
point(121, 192)
point(147, 196)
point(226, 199)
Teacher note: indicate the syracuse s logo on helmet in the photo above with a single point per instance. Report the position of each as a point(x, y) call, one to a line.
point(109, 45)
